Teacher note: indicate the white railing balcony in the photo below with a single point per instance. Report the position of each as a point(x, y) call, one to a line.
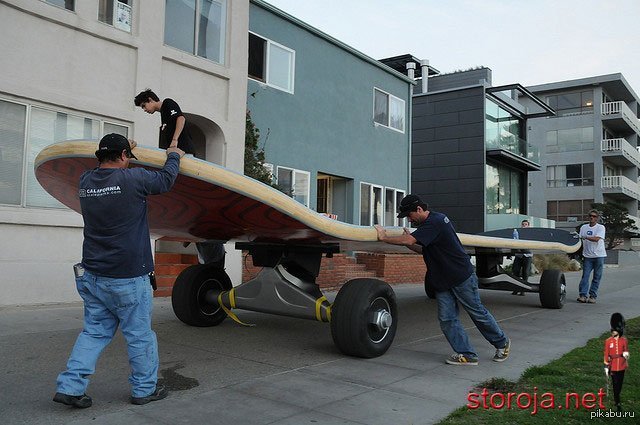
point(611, 108)
point(622, 147)
point(621, 184)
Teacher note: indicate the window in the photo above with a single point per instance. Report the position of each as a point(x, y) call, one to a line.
point(503, 130)
point(503, 190)
point(370, 204)
point(392, 198)
point(25, 130)
point(65, 4)
point(294, 183)
point(388, 110)
point(197, 27)
point(572, 103)
point(116, 13)
point(569, 140)
point(570, 175)
point(571, 211)
point(271, 63)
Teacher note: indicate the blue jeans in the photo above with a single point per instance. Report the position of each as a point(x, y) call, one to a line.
point(448, 314)
point(109, 303)
point(591, 264)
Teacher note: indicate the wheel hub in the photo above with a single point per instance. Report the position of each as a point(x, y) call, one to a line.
point(382, 320)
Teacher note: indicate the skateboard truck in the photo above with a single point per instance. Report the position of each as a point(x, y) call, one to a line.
point(363, 317)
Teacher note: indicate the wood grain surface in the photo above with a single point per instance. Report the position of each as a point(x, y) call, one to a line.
point(212, 202)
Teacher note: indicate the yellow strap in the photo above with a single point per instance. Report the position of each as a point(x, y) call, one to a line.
point(229, 313)
point(319, 302)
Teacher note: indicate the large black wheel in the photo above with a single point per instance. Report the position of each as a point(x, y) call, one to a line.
point(428, 289)
point(553, 289)
point(364, 318)
point(195, 295)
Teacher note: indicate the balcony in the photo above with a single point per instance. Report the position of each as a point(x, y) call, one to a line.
point(620, 117)
point(620, 185)
point(620, 152)
point(514, 151)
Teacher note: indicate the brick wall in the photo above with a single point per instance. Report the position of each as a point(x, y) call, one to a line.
point(334, 272)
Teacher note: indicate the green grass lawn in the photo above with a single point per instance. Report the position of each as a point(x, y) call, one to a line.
point(580, 372)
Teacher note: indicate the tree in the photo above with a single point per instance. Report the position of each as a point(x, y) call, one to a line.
point(617, 221)
point(254, 155)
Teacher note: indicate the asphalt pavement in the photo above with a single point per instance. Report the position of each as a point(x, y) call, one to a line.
point(287, 371)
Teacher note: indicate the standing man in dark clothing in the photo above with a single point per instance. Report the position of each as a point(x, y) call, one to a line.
point(113, 277)
point(172, 129)
point(451, 274)
point(522, 262)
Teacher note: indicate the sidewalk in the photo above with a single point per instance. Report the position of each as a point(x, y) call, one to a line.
point(287, 371)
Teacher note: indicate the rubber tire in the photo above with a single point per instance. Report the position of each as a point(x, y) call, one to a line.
point(189, 290)
point(553, 293)
point(431, 293)
point(350, 315)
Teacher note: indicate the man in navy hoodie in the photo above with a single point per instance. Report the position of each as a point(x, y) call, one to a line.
point(113, 278)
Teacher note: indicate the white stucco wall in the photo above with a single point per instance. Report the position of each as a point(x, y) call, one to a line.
point(69, 61)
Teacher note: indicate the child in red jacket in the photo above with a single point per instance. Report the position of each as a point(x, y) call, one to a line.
point(616, 354)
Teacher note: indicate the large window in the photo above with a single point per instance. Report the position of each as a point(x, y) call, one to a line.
point(197, 27)
point(388, 110)
point(65, 4)
point(569, 140)
point(570, 175)
point(116, 13)
point(571, 211)
point(504, 190)
point(503, 130)
point(271, 63)
point(294, 183)
point(24, 131)
point(572, 103)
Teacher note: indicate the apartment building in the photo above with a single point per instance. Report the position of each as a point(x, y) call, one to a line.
point(589, 149)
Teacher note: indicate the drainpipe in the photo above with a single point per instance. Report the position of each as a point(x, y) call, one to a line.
point(424, 65)
point(411, 72)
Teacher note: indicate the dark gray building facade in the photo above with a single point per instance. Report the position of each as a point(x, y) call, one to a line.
point(470, 154)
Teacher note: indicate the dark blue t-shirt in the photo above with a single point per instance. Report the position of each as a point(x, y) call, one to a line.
point(448, 264)
point(114, 209)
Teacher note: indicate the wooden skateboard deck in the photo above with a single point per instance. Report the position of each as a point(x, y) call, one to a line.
point(209, 201)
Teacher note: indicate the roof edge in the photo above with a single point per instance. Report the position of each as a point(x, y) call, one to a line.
point(263, 4)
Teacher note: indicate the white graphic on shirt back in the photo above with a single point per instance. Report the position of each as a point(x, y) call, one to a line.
point(99, 191)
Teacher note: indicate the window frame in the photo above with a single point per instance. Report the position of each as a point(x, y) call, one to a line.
point(196, 31)
point(72, 9)
point(26, 145)
point(266, 62)
point(401, 222)
point(554, 182)
point(583, 216)
point(389, 98)
point(293, 182)
point(113, 17)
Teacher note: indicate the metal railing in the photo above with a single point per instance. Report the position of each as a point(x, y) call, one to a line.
point(623, 184)
point(622, 146)
point(516, 146)
point(610, 108)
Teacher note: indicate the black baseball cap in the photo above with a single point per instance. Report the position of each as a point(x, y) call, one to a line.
point(409, 203)
point(115, 143)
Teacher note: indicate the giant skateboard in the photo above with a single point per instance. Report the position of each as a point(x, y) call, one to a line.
point(287, 239)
